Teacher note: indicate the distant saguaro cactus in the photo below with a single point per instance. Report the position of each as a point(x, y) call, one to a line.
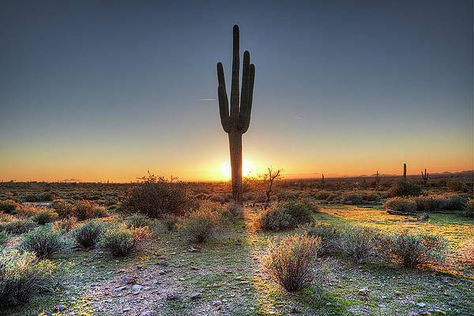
point(404, 171)
point(425, 176)
point(377, 178)
point(237, 122)
point(323, 182)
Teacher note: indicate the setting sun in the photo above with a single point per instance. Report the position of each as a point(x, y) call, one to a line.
point(248, 169)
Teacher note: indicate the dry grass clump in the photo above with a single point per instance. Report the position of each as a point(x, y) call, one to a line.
point(119, 240)
point(404, 188)
point(329, 237)
point(413, 250)
point(43, 241)
point(18, 226)
point(201, 224)
point(84, 209)
point(290, 261)
point(138, 220)
point(88, 234)
point(44, 216)
point(64, 208)
point(8, 206)
point(360, 243)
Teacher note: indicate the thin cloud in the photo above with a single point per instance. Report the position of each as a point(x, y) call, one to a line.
point(207, 100)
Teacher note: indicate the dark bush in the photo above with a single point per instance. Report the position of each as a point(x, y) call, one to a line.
point(22, 275)
point(42, 241)
point(88, 234)
point(404, 188)
point(456, 202)
point(170, 221)
point(44, 216)
point(8, 206)
point(469, 211)
point(352, 198)
point(4, 236)
point(414, 250)
point(155, 197)
point(290, 262)
point(40, 197)
point(17, 226)
point(400, 204)
point(287, 215)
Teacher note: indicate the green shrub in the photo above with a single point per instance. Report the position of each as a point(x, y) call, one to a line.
point(8, 206)
point(170, 221)
point(17, 226)
point(118, 240)
point(430, 203)
point(22, 275)
point(63, 208)
point(155, 197)
point(84, 209)
point(287, 215)
point(44, 216)
point(42, 241)
point(88, 234)
point(400, 204)
point(404, 188)
point(414, 250)
point(360, 244)
point(200, 225)
point(328, 235)
point(138, 220)
point(290, 262)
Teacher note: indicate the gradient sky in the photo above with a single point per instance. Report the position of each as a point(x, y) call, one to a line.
point(106, 90)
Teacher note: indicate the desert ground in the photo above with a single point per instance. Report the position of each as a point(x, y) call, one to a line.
point(168, 269)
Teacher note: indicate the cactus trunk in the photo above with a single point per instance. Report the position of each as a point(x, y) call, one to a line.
point(235, 144)
point(236, 121)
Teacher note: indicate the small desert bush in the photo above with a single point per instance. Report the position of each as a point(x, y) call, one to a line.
point(412, 250)
point(360, 243)
point(22, 275)
point(232, 212)
point(64, 208)
point(17, 227)
point(170, 221)
point(8, 206)
point(43, 241)
point(401, 204)
point(404, 188)
point(352, 198)
point(156, 196)
point(40, 197)
point(328, 235)
point(138, 220)
point(84, 209)
point(201, 224)
point(88, 234)
point(455, 202)
point(468, 251)
point(287, 215)
point(119, 240)
point(290, 262)
point(66, 224)
point(44, 216)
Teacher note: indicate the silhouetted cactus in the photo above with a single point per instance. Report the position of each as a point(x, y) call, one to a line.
point(237, 122)
point(404, 171)
point(377, 178)
point(425, 176)
point(323, 182)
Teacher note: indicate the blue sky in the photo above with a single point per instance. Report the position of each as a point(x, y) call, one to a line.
point(100, 90)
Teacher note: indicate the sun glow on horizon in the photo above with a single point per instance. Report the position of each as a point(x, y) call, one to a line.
point(248, 169)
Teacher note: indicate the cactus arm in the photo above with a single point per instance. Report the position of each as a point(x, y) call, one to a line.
point(234, 94)
point(245, 112)
point(223, 101)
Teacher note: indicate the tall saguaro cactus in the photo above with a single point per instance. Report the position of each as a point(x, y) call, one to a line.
point(404, 171)
point(237, 121)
